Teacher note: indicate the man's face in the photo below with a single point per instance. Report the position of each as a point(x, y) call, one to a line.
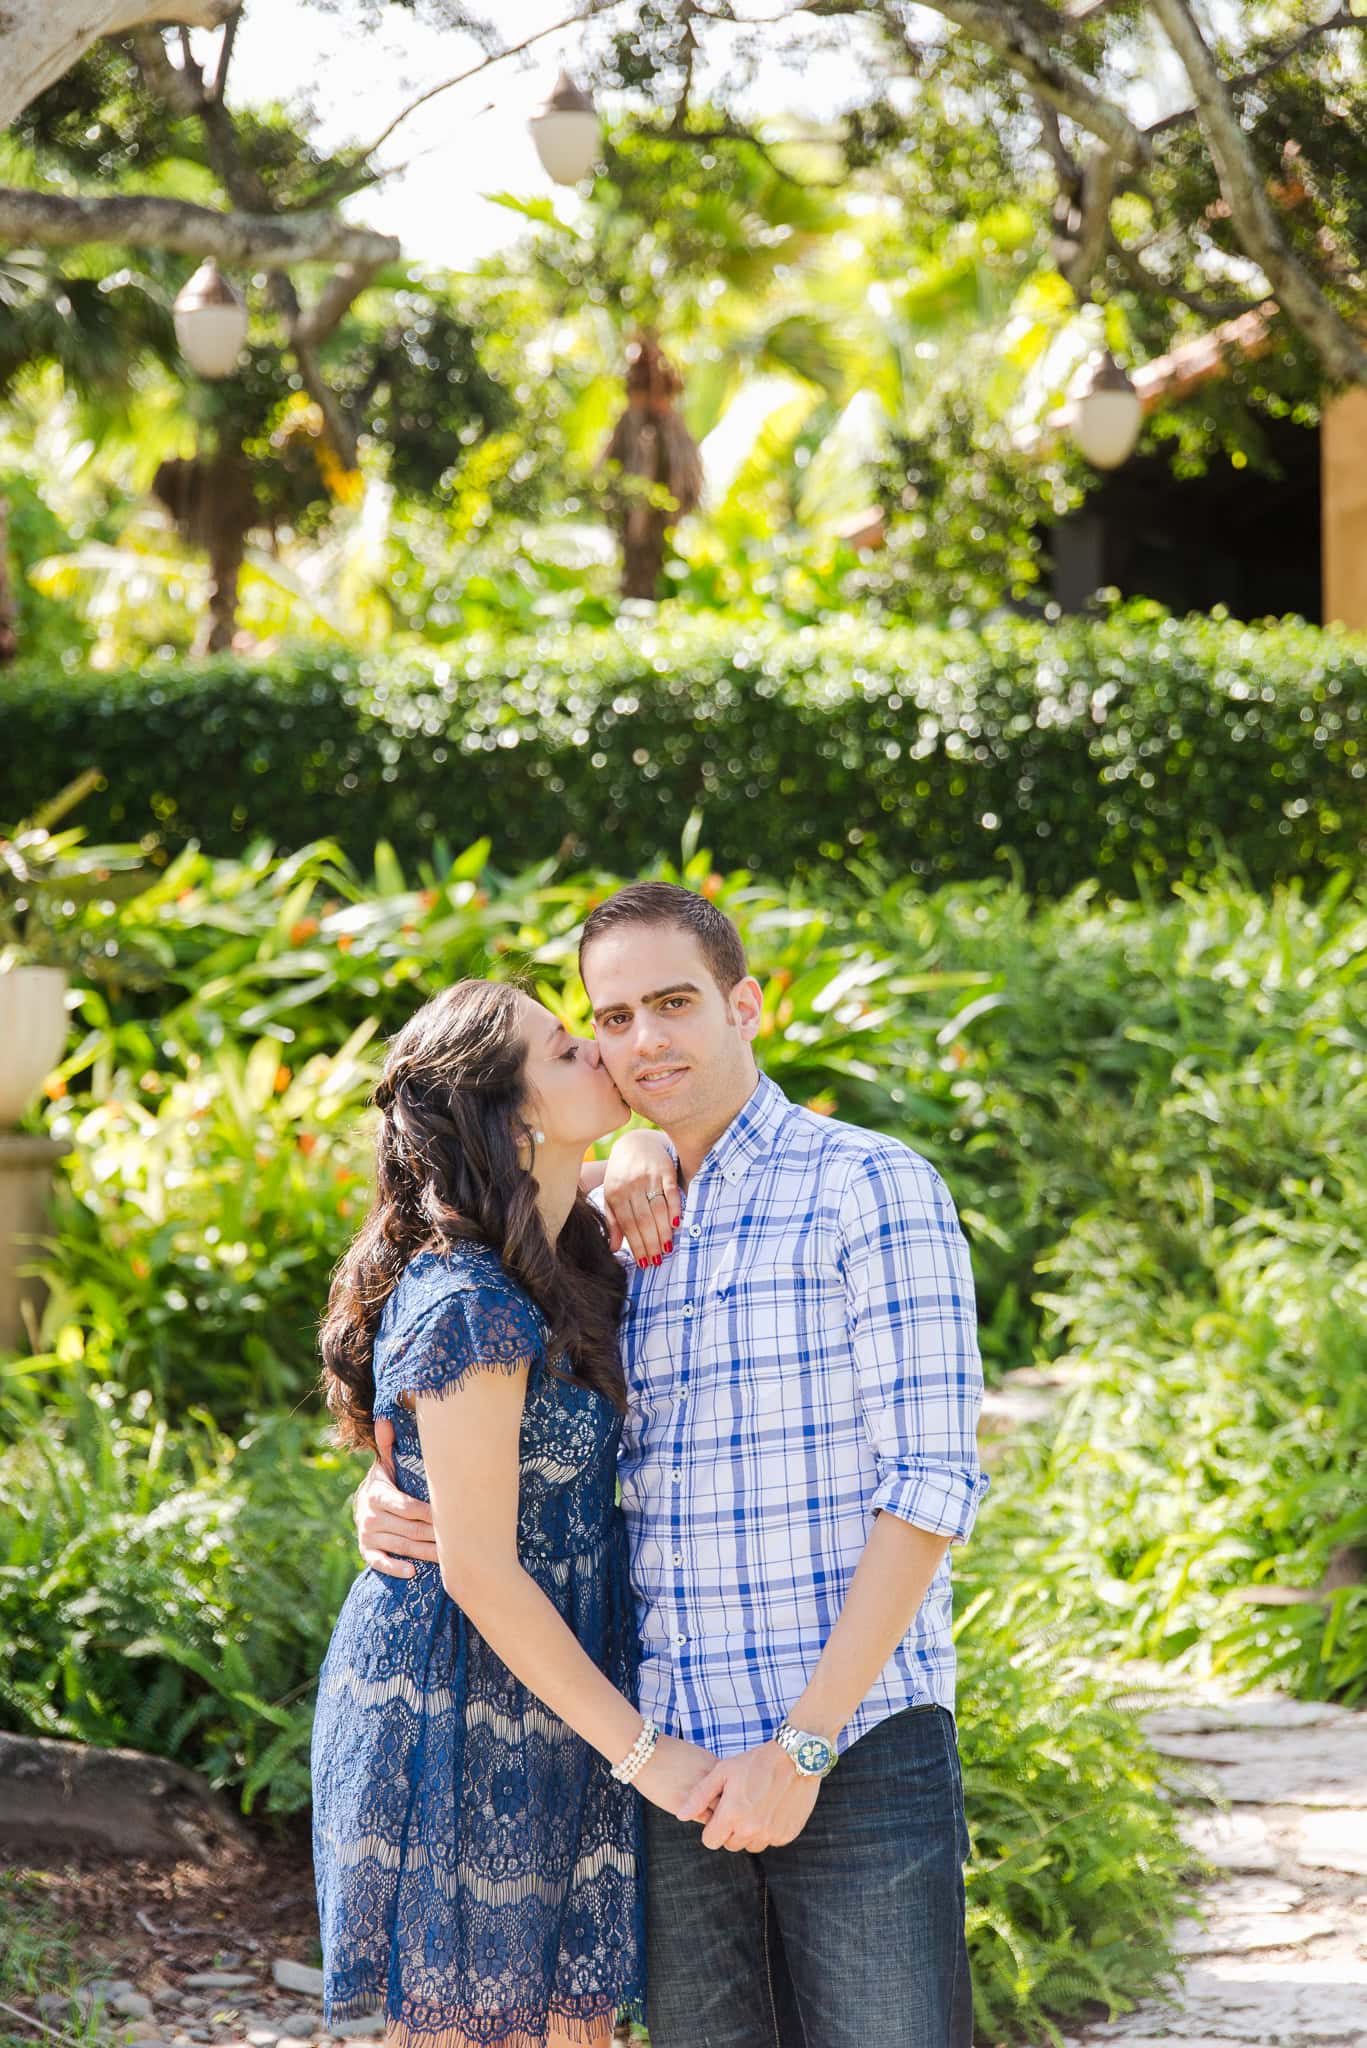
point(676, 1047)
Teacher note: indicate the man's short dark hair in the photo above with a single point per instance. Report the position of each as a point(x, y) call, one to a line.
point(645, 903)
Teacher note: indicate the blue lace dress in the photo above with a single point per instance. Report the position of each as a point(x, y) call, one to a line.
point(479, 1871)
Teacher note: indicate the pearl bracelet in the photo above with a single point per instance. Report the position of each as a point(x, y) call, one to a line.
point(638, 1756)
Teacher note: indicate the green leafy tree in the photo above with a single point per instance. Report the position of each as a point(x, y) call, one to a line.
point(275, 445)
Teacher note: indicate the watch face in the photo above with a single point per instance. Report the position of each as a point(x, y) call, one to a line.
point(813, 1755)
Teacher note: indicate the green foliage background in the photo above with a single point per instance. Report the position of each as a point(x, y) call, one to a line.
point(1134, 746)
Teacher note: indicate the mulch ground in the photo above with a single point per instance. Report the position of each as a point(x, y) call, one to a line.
point(166, 1920)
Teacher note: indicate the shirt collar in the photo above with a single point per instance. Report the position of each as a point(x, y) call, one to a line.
point(750, 1134)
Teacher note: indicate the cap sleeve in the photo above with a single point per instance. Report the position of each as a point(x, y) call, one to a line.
point(471, 1329)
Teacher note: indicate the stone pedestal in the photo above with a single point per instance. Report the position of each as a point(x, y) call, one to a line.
point(25, 1185)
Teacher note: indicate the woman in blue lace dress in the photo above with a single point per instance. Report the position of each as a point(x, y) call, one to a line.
point(477, 1748)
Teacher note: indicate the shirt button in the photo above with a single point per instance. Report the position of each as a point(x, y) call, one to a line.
point(693, 1230)
point(678, 1476)
point(681, 1639)
point(688, 1308)
point(678, 1557)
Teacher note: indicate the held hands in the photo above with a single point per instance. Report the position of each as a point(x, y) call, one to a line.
point(754, 1801)
point(673, 1774)
point(391, 1527)
point(641, 1196)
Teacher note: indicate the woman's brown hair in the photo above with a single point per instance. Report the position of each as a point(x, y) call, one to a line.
point(449, 1167)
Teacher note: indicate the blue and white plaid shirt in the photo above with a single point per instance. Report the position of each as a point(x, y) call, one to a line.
point(806, 1356)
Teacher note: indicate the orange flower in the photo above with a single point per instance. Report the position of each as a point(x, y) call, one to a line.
point(480, 898)
point(821, 1105)
point(344, 942)
point(344, 1207)
point(139, 1266)
point(782, 977)
point(282, 1080)
point(426, 898)
point(54, 1089)
point(304, 929)
point(712, 887)
point(307, 1143)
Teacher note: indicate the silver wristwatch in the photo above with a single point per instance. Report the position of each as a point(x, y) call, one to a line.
point(812, 1754)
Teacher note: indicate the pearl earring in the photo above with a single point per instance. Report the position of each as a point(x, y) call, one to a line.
point(539, 1136)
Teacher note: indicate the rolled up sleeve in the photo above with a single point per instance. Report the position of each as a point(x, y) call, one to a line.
point(913, 1332)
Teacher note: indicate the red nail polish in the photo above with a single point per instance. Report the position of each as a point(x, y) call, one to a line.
point(656, 1260)
point(675, 1220)
point(643, 1263)
point(670, 1246)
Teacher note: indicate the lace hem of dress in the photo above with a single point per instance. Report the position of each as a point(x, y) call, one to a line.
point(582, 2021)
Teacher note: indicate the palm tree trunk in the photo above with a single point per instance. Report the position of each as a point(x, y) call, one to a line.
point(9, 608)
point(227, 549)
point(651, 445)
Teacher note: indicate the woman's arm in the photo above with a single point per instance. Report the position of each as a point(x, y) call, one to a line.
point(470, 1437)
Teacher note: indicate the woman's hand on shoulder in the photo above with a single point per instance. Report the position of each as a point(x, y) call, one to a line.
point(641, 1196)
point(673, 1773)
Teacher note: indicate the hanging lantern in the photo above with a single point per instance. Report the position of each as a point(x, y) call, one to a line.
point(1106, 413)
point(565, 131)
point(211, 322)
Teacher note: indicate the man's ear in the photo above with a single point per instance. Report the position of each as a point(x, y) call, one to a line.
point(747, 1003)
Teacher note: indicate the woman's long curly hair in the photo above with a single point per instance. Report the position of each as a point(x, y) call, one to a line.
point(449, 1167)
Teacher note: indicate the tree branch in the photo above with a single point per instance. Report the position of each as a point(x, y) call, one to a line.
point(1064, 162)
point(1299, 296)
point(1213, 310)
point(44, 38)
point(225, 52)
point(1082, 13)
point(316, 322)
point(731, 131)
point(54, 221)
point(1089, 222)
point(1342, 18)
point(583, 13)
point(163, 78)
point(1019, 42)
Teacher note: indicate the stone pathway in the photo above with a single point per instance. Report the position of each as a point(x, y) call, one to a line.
point(1278, 1955)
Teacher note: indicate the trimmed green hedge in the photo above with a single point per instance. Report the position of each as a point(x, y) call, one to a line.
point(1135, 744)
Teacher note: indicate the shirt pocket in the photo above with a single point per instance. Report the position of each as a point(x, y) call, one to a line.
point(764, 1326)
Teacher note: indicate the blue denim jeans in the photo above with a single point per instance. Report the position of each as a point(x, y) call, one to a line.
point(851, 1934)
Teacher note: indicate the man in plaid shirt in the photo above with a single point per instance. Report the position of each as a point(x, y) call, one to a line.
point(804, 1384)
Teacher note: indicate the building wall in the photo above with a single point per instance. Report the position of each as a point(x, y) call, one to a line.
point(1343, 509)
